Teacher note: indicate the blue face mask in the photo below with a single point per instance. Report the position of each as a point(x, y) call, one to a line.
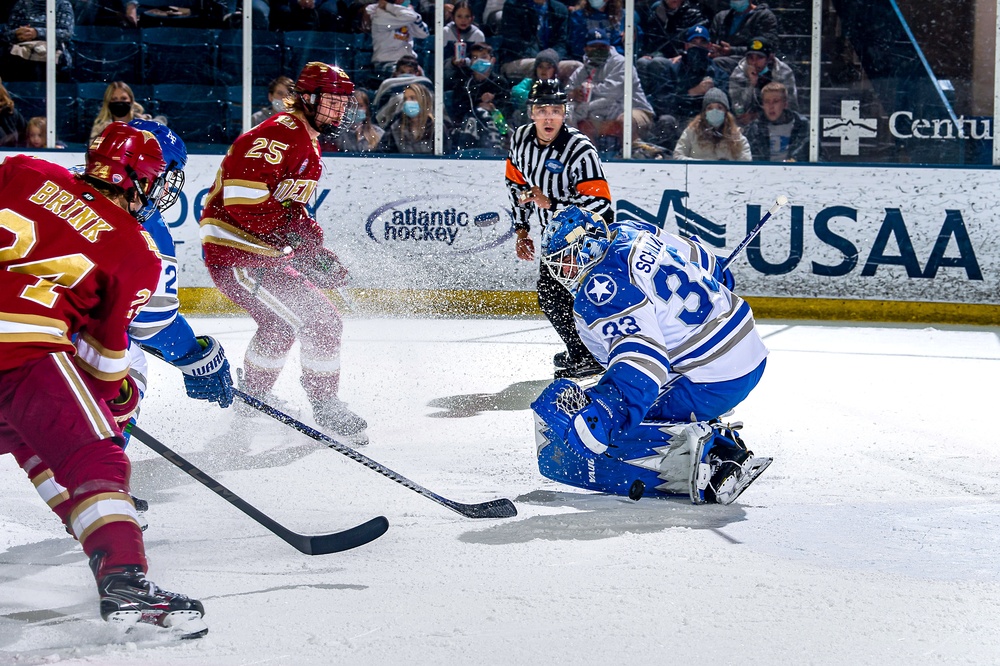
point(411, 108)
point(480, 66)
point(739, 5)
point(715, 117)
point(360, 116)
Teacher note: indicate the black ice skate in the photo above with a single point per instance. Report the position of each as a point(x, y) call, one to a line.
point(561, 360)
point(579, 368)
point(734, 468)
point(127, 598)
point(334, 416)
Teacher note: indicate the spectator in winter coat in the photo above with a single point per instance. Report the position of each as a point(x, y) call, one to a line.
point(23, 44)
point(412, 131)
point(389, 96)
point(677, 87)
point(394, 26)
point(758, 68)
point(477, 83)
point(666, 24)
point(598, 93)
point(530, 26)
point(546, 67)
point(780, 134)
point(607, 15)
point(12, 125)
point(733, 28)
point(363, 136)
point(713, 134)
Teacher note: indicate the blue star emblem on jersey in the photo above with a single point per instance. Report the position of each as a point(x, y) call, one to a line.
point(600, 289)
point(555, 166)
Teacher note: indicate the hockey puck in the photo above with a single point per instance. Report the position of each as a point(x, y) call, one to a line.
point(486, 219)
point(636, 490)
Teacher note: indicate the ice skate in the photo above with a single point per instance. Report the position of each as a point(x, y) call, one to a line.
point(127, 598)
point(561, 360)
point(577, 369)
point(734, 467)
point(334, 416)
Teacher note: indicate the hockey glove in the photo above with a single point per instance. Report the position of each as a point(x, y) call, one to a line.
point(322, 267)
point(206, 373)
point(592, 428)
point(557, 405)
point(725, 276)
point(125, 405)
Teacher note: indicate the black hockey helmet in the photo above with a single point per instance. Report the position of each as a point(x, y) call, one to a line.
point(546, 91)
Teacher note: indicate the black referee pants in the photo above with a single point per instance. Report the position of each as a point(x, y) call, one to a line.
point(557, 304)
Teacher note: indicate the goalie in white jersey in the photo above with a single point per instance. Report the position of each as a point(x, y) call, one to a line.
point(680, 351)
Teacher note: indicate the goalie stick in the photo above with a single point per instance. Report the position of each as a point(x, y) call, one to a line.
point(778, 204)
point(320, 544)
point(500, 508)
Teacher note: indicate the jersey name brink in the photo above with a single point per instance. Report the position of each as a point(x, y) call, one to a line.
point(53, 198)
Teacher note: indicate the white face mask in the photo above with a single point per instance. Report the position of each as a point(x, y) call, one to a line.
point(597, 4)
point(278, 105)
point(715, 117)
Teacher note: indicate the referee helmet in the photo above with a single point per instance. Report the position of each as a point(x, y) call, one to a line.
point(545, 92)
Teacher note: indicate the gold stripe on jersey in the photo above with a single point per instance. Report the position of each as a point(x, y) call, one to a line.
point(100, 426)
point(49, 489)
point(218, 232)
point(32, 328)
point(237, 192)
point(99, 510)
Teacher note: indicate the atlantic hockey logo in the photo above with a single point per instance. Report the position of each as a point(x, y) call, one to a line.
point(600, 289)
point(673, 209)
point(458, 223)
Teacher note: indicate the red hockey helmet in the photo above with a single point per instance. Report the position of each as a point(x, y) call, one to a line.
point(318, 77)
point(123, 155)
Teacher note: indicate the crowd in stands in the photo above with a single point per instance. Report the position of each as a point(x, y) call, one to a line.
point(707, 82)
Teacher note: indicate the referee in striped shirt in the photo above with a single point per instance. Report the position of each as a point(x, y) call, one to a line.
point(551, 167)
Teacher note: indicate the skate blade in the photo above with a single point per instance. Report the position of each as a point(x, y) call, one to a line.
point(186, 624)
point(751, 470)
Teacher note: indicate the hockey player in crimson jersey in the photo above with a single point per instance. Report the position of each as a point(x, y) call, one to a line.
point(78, 269)
point(680, 348)
point(265, 252)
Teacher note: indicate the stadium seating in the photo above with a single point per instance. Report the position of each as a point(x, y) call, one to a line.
point(106, 54)
point(197, 113)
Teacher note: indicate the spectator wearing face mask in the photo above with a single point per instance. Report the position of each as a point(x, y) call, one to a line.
point(389, 97)
point(598, 93)
point(732, 30)
point(363, 136)
point(277, 91)
point(758, 68)
point(713, 134)
point(666, 24)
point(607, 15)
point(119, 106)
point(479, 80)
point(528, 27)
point(412, 131)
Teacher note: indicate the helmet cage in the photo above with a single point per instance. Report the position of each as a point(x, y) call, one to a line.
point(329, 113)
point(574, 240)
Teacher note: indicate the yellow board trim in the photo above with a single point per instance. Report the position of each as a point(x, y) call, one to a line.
point(209, 301)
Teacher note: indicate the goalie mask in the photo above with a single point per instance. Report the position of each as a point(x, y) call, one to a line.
point(327, 96)
point(167, 186)
point(574, 240)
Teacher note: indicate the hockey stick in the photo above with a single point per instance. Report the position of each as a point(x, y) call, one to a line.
point(320, 544)
point(500, 508)
point(778, 204)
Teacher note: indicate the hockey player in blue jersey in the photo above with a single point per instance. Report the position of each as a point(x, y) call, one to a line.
point(680, 351)
point(159, 328)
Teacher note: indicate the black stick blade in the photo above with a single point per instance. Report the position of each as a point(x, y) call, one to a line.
point(352, 538)
point(500, 508)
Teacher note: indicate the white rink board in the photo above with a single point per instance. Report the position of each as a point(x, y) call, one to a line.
point(850, 232)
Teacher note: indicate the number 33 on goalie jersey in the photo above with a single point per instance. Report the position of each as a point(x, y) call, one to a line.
point(651, 310)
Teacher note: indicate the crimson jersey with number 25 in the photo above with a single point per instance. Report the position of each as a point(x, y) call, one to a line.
point(72, 263)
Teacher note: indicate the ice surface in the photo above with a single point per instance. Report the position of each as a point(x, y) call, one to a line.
point(874, 538)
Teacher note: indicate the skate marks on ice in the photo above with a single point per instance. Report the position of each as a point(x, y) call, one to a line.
point(599, 516)
point(516, 397)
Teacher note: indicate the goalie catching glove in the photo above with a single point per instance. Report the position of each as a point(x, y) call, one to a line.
point(584, 420)
point(206, 373)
